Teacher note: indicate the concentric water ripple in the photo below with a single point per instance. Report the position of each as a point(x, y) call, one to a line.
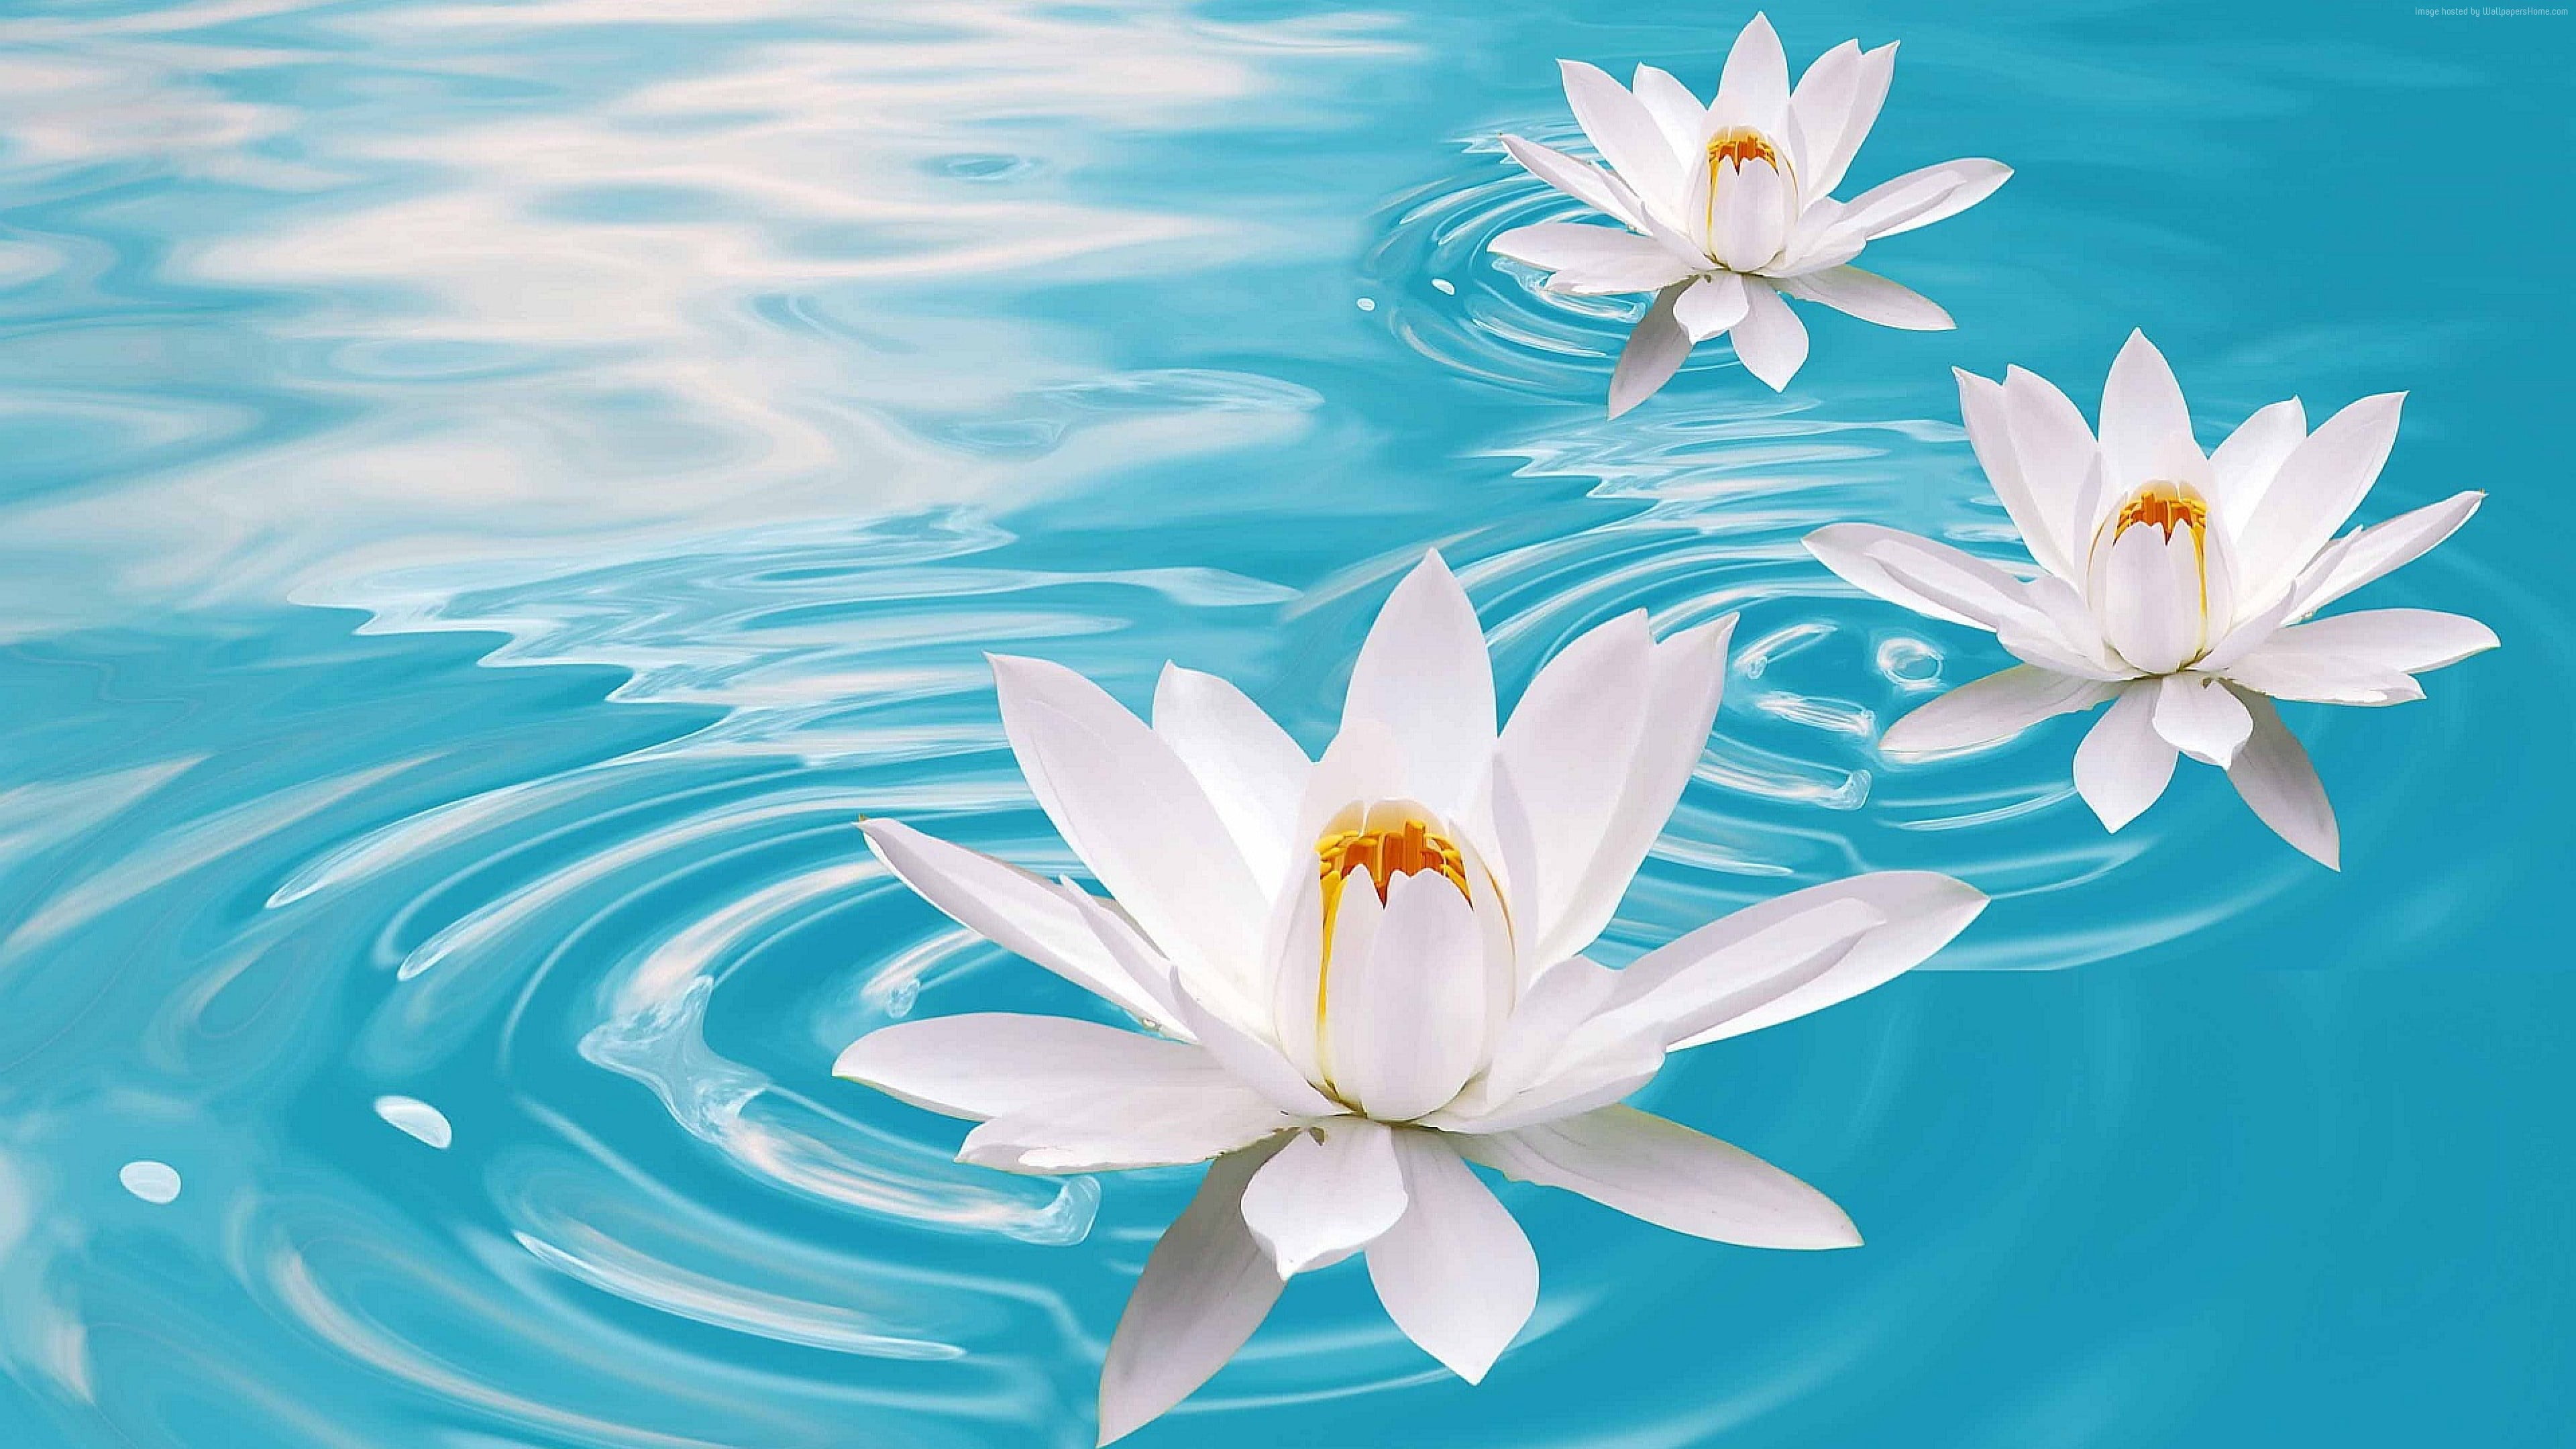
point(496, 492)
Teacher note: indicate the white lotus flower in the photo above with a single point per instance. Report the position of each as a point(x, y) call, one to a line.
point(1730, 205)
point(2173, 585)
point(1364, 973)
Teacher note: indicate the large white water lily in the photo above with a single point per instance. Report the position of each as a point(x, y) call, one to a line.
point(1362, 973)
point(2172, 585)
point(1730, 205)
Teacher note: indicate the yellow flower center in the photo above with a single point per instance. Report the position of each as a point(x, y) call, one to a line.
point(1736, 145)
point(2166, 505)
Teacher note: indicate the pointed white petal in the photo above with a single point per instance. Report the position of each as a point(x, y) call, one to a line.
point(1424, 676)
point(1163, 1122)
point(2242, 469)
point(1231, 1032)
point(1136, 816)
point(2410, 641)
point(1012, 909)
point(2288, 671)
point(1832, 110)
point(1655, 351)
point(1748, 215)
point(2148, 592)
point(1666, 1174)
point(1720, 982)
point(2060, 464)
point(1921, 574)
point(1592, 260)
point(2045, 521)
point(1455, 1272)
point(2146, 428)
point(2316, 489)
point(1686, 679)
point(1297, 963)
point(1711, 305)
point(1206, 1287)
point(1333, 1188)
point(1683, 119)
point(2380, 549)
point(2198, 716)
point(1568, 747)
point(1581, 180)
point(2274, 777)
point(2071, 642)
point(1994, 708)
point(1622, 130)
point(1920, 198)
point(1770, 341)
point(1405, 1022)
point(1754, 91)
point(2123, 764)
point(1871, 298)
point(989, 1064)
point(1251, 771)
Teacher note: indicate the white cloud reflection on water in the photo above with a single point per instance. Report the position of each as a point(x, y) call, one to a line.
point(544, 279)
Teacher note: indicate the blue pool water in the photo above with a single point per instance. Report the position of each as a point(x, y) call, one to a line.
point(489, 492)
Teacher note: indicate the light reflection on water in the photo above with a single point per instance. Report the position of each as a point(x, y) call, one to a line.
point(496, 490)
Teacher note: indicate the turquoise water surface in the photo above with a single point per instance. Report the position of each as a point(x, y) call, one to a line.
point(490, 492)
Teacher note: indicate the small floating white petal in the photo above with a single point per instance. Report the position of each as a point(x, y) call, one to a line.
point(154, 1182)
point(417, 1118)
point(1444, 286)
point(1368, 304)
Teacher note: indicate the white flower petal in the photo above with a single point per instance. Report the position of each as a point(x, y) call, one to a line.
point(1206, 1287)
point(2316, 489)
point(2060, 464)
point(1581, 180)
point(1405, 1022)
point(1770, 341)
point(1134, 813)
point(2274, 777)
point(1014, 910)
point(2242, 468)
point(1333, 1188)
point(1297, 964)
point(1622, 130)
point(1456, 1273)
point(1832, 110)
point(2382, 548)
point(1715, 975)
point(1754, 91)
point(1593, 260)
point(1424, 676)
point(1997, 707)
point(1748, 214)
point(2123, 764)
point(1568, 748)
point(1655, 351)
point(1920, 198)
point(2148, 592)
point(2200, 717)
point(1711, 305)
point(2146, 428)
point(2410, 641)
point(2044, 521)
point(1686, 678)
point(990, 1064)
point(1162, 1122)
point(1871, 298)
point(2290, 671)
point(1251, 771)
point(1683, 119)
point(1558, 1002)
point(1666, 1174)
point(1923, 575)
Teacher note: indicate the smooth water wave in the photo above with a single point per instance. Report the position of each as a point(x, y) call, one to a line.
point(497, 492)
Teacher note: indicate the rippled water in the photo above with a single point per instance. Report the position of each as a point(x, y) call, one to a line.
point(492, 491)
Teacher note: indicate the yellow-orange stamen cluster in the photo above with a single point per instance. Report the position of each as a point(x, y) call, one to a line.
point(1738, 144)
point(1399, 850)
point(2167, 506)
